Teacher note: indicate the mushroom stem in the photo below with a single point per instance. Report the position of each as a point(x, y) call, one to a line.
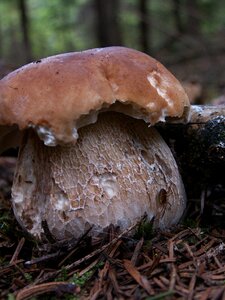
point(118, 170)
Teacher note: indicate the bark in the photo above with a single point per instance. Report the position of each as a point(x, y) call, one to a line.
point(107, 23)
point(199, 114)
point(144, 26)
point(177, 16)
point(193, 20)
point(24, 21)
point(198, 144)
point(1, 39)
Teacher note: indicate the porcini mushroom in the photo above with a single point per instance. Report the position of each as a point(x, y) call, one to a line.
point(78, 168)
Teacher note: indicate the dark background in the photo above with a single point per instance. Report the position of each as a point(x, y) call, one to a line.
point(188, 36)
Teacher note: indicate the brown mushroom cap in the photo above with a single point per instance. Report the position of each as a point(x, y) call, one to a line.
point(59, 94)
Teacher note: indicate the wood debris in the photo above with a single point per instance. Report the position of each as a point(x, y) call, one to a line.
point(185, 263)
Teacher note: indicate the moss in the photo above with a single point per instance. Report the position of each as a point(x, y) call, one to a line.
point(145, 230)
point(82, 280)
point(63, 276)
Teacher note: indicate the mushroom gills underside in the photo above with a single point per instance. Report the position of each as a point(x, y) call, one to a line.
point(118, 170)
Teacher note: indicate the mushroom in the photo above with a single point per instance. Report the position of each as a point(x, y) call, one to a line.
point(88, 156)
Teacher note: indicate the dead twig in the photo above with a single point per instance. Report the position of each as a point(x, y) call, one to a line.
point(100, 250)
point(58, 288)
point(140, 279)
point(17, 251)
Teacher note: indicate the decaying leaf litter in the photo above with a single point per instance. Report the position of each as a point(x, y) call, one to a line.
point(187, 262)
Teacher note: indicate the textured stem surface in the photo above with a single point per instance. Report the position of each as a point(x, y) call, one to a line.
point(118, 170)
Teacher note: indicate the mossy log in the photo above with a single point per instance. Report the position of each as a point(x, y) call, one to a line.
point(198, 144)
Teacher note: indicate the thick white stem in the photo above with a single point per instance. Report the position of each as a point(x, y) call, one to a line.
point(118, 170)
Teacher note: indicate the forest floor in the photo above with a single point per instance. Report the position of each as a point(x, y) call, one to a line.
point(187, 262)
